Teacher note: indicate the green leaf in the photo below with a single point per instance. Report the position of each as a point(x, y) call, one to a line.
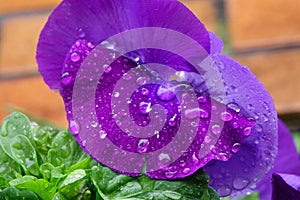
point(17, 142)
point(39, 186)
point(297, 140)
point(43, 140)
point(25, 154)
point(65, 150)
point(13, 193)
point(9, 168)
point(113, 186)
point(46, 169)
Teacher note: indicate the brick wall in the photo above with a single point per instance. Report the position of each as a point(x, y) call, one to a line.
point(264, 35)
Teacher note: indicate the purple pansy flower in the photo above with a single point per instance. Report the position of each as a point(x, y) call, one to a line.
point(286, 162)
point(285, 187)
point(146, 87)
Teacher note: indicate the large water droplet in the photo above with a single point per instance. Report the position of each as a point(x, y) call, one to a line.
point(247, 131)
point(202, 99)
point(102, 134)
point(66, 78)
point(126, 76)
point(186, 170)
point(107, 68)
point(234, 106)
point(226, 116)
point(145, 107)
point(165, 94)
point(240, 183)
point(195, 159)
point(116, 94)
point(236, 147)
point(182, 163)
point(170, 174)
point(145, 92)
point(142, 80)
point(216, 129)
point(172, 121)
point(223, 156)
point(143, 145)
point(74, 127)
point(224, 191)
point(163, 156)
point(258, 128)
point(195, 113)
point(75, 57)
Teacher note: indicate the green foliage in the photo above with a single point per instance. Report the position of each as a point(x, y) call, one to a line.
point(47, 163)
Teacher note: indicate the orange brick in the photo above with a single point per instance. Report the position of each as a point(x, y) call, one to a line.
point(8, 6)
point(205, 10)
point(32, 96)
point(279, 71)
point(263, 23)
point(19, 37)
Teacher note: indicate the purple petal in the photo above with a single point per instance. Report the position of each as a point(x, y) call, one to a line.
point(259, 150)
point(188, 129)
point(287, 153)
point(95, 21)
point(283, 190)
point(216, 44)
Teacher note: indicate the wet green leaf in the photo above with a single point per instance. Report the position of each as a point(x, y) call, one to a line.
point(41, 187)
point(113, 186)
point(13, 193)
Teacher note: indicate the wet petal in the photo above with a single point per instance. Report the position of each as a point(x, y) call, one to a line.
point(285, 187)
point(287, 153)
point(130, 113)
point(216, 44)
point(259, 150)
point(95, 21)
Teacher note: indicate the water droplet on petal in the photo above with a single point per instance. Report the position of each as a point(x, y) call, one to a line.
point(216, 129)
point(90, 45)
point(170, 174)
point(102, 134)
point(223, 156)
point(143, 145)
point(116, 94)
point(74, 127)
point(234, 106)
point(142, 80)
point(202, 99)
point(145, 92)
point(75, 57)
point(107, 68)
point(247, 131)
point(235, 147)
point(195, 113)
point(186, 170)
point(66, 78)
point(195, 159)
point(226, 116)
point(258, 128)
point(182, 163)
point(126, 76)
point(94, 124)
point(145, 107)
point(240, 183)
point(224, 191)
point(164, 156)
point(165, 94)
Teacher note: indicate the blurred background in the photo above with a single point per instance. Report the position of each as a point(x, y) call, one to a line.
point(264, 35)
